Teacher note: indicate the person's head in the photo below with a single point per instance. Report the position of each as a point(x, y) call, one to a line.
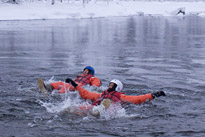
point(89, 70)
point(115, 85)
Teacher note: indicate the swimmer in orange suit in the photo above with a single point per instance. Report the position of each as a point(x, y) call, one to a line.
point(86, 78)
point(113, 93)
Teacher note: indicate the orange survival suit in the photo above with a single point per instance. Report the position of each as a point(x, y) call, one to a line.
point(95, 97)
point(81, 79)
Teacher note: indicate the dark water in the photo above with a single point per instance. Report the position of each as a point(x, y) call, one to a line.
point(146, 53)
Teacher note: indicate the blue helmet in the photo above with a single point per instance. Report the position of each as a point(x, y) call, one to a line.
point(92, 71)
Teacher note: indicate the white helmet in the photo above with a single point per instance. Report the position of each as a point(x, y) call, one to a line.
point(118, 83)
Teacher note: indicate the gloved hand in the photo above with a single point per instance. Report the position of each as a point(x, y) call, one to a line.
point(158, 94)
point(68, 80)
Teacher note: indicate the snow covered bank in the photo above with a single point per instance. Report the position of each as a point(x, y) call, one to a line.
point(41, 10)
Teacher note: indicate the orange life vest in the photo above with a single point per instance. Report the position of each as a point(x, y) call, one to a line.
point(113, 95)
point(83, 79)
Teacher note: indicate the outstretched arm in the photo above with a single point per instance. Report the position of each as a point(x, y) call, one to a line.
point(141, 98)
point(136, 99)
point(83, 92)
point(86, 94)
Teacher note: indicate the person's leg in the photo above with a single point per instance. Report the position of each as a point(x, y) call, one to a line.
point(62, 87)
point(44, 87)
point(41, 86)
point(105, 104)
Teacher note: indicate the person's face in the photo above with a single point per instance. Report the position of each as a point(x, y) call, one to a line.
point(86, 71)
point(111, 85)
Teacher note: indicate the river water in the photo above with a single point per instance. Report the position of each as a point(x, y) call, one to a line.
point(146, 53)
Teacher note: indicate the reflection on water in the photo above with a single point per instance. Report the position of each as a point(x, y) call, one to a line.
point(145, 53)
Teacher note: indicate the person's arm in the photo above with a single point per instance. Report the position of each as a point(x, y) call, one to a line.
point(141, 98)
point(136, 99)
point(83, 92)
point(86, 94)
point(94, 81)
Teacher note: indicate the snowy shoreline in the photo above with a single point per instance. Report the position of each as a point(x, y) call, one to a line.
point(94, 9)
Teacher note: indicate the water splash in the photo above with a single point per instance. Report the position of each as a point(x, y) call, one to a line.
point(70, 102)
point(66, 101)
point(51, 80)
point(72, 105)
point(115, 110)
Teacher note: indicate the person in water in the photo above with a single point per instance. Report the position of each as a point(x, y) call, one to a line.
point(113, 93)
point(86, 78)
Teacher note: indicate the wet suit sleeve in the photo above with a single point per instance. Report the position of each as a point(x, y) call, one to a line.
point(94, 81)
point(86, 94)
point(136, 99)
